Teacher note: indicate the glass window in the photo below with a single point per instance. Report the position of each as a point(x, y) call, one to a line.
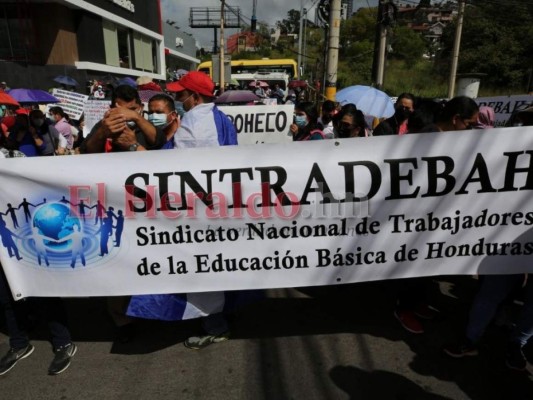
point(124, 51)
point(16, 31)
point(111, 43)
point(143, 48)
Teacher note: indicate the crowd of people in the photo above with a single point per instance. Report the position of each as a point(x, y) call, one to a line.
point(185, 116)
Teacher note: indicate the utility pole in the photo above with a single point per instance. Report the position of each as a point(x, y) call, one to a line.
point(300, 38)
point(304, 55)
point(456, 46)
point(382, 48)
point(221, 52)
point(386, 17)
point(333, 49)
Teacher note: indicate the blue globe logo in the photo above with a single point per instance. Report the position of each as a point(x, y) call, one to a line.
point(55, 221)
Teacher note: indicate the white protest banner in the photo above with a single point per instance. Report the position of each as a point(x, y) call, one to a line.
point(261, 124)
point(94, 111)
point(71, 102)
point(249, 217)
point(505, 106)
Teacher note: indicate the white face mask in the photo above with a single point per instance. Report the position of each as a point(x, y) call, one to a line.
point(159, 120)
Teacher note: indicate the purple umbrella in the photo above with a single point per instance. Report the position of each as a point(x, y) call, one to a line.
point(236, 96)
point(66, 80)
point(32, 96)
point(127, 81)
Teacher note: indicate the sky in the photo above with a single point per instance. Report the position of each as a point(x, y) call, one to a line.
point(268, 11)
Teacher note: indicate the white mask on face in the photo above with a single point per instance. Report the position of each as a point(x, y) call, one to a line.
point(158, 119)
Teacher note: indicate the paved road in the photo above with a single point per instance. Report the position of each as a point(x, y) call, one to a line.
point(336, 342)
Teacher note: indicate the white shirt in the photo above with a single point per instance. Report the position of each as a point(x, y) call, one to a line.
point(328, 129)
point(198, 128)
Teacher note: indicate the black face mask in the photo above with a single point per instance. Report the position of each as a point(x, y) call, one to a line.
point(326, 119)
point(402, 114)
point(344, 133)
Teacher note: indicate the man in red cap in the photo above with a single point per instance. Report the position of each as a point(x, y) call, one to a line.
point(203, 124)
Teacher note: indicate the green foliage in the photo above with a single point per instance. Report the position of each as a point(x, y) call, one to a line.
point(357, 48)
point(497, 40)
point(361, 26)
point(291, 24)
point(419, 79)
point(407, 45)
point(496, 43)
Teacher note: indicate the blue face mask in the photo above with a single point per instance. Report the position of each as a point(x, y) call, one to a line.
point(179, 108)
point(300, 120)
point(158, 119)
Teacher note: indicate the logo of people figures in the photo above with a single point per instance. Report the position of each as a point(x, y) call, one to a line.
point(56, 237)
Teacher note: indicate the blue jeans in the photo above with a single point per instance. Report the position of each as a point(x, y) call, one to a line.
point(16, 313)
point(492, 292)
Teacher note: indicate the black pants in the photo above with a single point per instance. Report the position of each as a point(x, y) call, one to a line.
point(16, 315)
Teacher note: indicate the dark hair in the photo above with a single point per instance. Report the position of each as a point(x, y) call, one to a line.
point(351, 110)
point(425, 114)
point(165, 98)
point(126, 93)
point(407, 96)
point(37, 113)
point(328, 106)
point(463, 106)
point(309, 108)
point(58, 110)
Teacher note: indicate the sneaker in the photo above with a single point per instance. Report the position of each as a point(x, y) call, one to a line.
point(62, 358)
point(514, 358)
point(13, 356)
point(462, 349)
point(408, 321)
point(199, 342)
point(425, 311)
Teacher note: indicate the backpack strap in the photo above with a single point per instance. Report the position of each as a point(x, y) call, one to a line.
point(313, 132)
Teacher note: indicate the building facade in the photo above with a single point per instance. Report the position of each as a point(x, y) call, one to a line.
point(180, 49)
point(84, 39)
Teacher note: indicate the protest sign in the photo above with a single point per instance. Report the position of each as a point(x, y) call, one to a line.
point(505, 106)
point(250, 217)
point(261, 124)
point(94, 111)
point(71, 102)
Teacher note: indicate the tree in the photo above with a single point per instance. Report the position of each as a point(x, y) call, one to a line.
point(407, 45)
point(291, 25)
point(357, 47)
point(493, 42)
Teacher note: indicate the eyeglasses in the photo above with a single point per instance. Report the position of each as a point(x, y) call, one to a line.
point(346, 125)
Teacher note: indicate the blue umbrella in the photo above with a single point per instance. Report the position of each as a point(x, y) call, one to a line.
point(32, 96)
point(66, 80)
point(369, 100)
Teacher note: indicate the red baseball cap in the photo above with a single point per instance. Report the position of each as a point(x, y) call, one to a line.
point(195, 81)
point(22, 111)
